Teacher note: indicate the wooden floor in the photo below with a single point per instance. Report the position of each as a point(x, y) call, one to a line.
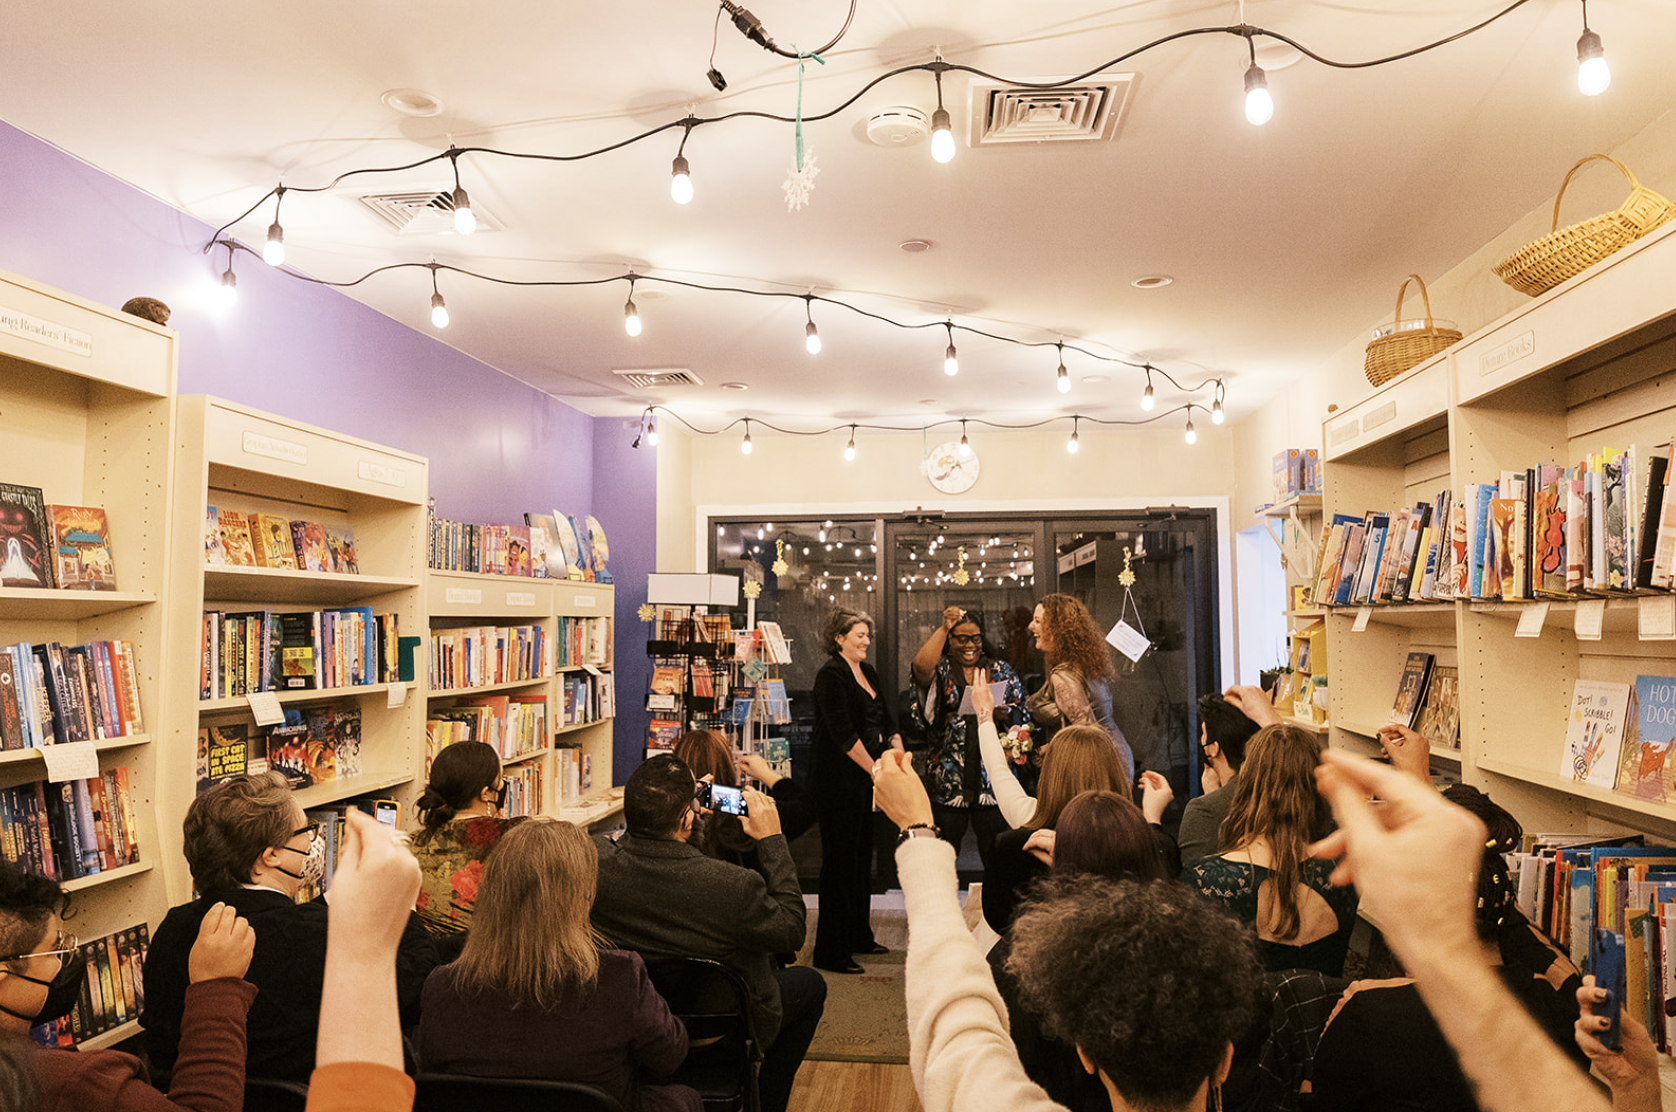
point(859, 1086)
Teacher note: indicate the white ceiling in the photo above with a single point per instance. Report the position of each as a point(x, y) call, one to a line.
point(1284, 241)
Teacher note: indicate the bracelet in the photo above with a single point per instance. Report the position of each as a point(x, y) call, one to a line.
point(917, 830)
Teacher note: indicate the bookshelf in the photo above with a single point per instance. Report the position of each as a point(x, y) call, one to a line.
point(87, 397)
point(1589, 363)
point(575, 601)
point(234, 457)
point(1295, 526)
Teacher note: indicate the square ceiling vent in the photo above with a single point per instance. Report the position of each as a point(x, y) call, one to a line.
point(660, 376)
point(425, 212)
point(1088, 111)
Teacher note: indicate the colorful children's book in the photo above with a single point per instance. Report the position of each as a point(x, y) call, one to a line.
point(340, 542)
point(1411, 689)
point(223, 751)
point(270, 538)
point(215, 553)
point(25, 538)
point(81, 548)
point(1646, 769)
point(288, 749)
point(308, 539)
point(1440, 711)
point(236, 546)
point(546, 555)
point(1594, 733)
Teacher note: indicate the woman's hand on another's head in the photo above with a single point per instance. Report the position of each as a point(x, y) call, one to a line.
point(1156, 794)
point(1040, 846)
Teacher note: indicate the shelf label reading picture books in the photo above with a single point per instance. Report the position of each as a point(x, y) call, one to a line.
point(112, 993)
point(313, 745)
point(261, 650)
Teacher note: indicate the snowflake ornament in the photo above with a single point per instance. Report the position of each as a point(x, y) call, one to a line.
point(800, 182)
point(960, 576)
point(646, 612)
point(779, 566)
point(753, 589)
point(1127, 575)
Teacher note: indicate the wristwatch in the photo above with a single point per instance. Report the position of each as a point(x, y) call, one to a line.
point(917, 830)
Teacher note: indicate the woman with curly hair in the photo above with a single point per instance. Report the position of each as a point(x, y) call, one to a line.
point(711, 757)
point(460, 816)
point(1267, 876)
point(1077, 690)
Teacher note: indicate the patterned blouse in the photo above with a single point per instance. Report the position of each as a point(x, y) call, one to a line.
point(451, 865)
point(954, 746)
point(1234, 884)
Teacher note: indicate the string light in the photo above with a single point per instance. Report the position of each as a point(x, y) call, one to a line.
point(1192, 437)
point(965, 452)
point(942, 135)
point(273, 251)
point(680, 181)
point(1216, 414)
point(631, 316)
point(1071, 444)
point(849, 449)
point(1259, 106)
point(1593, 74)
point(811, 334)
point(1147, 400)
point(1064, 377)
point(229, 282)
point(465, 221)
point(745, 444)
point(439, 308)
point(951, 363)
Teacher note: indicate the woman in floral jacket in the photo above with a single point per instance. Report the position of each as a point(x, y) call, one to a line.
point(956, 651)
point(460, 810)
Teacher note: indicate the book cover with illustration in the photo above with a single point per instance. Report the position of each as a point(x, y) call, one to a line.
point(340, 545)
point(236, 546)
point(223, 751)
point(25, 547)
point(288, 749)
point(547, 557)
point(270, 536)
point(1440, 711)
point(215, 554)
point(1411, 689)
point(569, 545)
point(81, 548)
point(308, 538)
point(1646, 769)
point(1594, 732)
point(319, 748)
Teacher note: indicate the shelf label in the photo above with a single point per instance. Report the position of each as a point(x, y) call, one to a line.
point(379, 473)
point(592, 669)
point(265, 706)
point(1531, 621)
point(1520, 347)
point(1344, 432)
point(463, 594)
point(1384, 415)
point(70, 760)
point(395, 695)
point(1362, 617)
point(1656, 618)
point(285, 451)
point(45, 332)
point(1591, 614)
point(584, 602)
point(520, 598)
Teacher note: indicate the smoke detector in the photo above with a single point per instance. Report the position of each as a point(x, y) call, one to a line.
point(900, 125)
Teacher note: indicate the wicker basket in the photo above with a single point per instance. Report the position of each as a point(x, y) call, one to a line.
point(1390, 355)
point(1540, 266)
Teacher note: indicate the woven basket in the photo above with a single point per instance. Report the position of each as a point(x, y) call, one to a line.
point(1540, 266)
point(1391, 355)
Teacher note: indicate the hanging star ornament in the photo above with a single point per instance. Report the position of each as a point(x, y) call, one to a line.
point(646, 612)
point(960, 576)
point(800, 182)
point(753, 589)
point(779, 566)
point(1127, 575)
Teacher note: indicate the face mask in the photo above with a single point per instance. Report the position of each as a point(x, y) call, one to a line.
point(314, 861)
point(63, 991)
point(500, 796)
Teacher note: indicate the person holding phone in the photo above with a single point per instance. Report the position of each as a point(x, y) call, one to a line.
point(721, 835)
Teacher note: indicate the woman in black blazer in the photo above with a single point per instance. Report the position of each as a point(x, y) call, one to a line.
point(852, 723)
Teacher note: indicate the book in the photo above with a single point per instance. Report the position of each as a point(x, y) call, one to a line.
point(236, 545)
point(215, 553)
point(774, 643)
point(518, 550)
point(1594, 732)
point(288, 750)
point(1411, 689)
point(271, 541)
point(546, 556)
point(223, 751)
point(340, 544)
point(308, 540)
point(25, 541)
point(1646, 769)
point(81, 548)
point(1440, 710)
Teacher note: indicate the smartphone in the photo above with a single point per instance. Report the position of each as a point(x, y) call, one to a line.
point(717, 797)
point(1606, 962)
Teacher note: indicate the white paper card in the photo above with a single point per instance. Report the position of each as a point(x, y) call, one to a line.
point(1656, 617)
point(1128, 640)
point(265, 706)
point(1362, 617)
point(1591, 613)
point(396, 695)
point(1530, 622)
point(655, 701)
point(71, 760)
point(592, 669)
point(997, 692)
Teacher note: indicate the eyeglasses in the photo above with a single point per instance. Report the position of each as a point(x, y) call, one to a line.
point(966, 638)
point(63, 946)
point(312, 830)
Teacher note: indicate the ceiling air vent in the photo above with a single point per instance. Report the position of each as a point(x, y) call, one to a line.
point(1088, 111)
point(660, 376)
point(425, 212)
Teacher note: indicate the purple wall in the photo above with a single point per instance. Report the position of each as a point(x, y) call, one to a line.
point(624, 501)
point(497, 447)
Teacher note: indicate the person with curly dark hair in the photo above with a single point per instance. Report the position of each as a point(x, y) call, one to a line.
point(1149, 983)
point(459, 813)
point(1077, 690)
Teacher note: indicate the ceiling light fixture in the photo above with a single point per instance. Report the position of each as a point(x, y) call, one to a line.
point(849, 449)
point(465, 221)
point(942, 135)
point(1216, 414)
point(631, 316)
point(1593, 74)
point(439, 307)
point(273, 251)
point(1259, 106)
point(1192, 437)
point(1071, 444)
point(1064, 376)
point(965, 449)
point(680, 173)
point(1147, 400)
point(811, 334)
point(745, 444)
point(951, 363)
point(229, 281)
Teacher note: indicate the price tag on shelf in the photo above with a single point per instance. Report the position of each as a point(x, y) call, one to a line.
point(265, 706)
point(1656, 618)
point(1531, 621)
point(1362, 617)
point(395, 695)
point(1591, 614)
point(70, 760)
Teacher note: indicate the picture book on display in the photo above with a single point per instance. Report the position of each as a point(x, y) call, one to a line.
point(25, 543)
point(270, 537)
point(215, 553)
point(223, 751)
point(81, 548)
point(1646, 769)
point(1594, 733)
point(309, 540)
point(1411, 689)
point(1440, 711)
point(236, 547)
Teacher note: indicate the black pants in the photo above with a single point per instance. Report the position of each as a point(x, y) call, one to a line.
point(844, 927)
point(986, 823)
point(802, 1003)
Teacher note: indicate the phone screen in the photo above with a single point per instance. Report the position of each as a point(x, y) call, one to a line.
point(729, 801)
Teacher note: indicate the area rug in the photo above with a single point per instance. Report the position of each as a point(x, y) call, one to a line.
point(866, 1016)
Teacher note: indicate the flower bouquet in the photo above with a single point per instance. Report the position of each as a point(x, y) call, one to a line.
point(1018, 744)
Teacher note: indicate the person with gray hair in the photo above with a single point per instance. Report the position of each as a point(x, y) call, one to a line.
point(853, 727)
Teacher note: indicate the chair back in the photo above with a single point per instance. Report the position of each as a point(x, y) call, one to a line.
point(448, 1092)
point(271, 1094)
point(714, 1003)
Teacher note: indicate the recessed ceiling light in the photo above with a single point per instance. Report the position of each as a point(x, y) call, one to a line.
point(735, 386)
point(412, 102)
point(915, 246)
point(1091, 380)
point(1152, 281)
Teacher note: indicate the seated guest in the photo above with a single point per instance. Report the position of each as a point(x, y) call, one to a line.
point(41, 976)
point(1149, 984)
point(534, 994)
point(1100, 834)
point(459, 812)
point(1223, 732)
point(1382, 1050)
point(710, 756)
point(1266, 876)
point(662, 897)
point(249, 846)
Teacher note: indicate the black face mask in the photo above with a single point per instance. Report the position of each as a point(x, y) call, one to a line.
point(62, 992)
point(500, 796)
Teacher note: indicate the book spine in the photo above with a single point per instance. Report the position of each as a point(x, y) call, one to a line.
point(41, 837)
point(11, 723)
point(87, 829)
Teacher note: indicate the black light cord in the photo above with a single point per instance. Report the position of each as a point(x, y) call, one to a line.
point(651, 410)
point(751, 27)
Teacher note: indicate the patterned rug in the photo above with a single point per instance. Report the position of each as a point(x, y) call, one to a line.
point(866, 1016)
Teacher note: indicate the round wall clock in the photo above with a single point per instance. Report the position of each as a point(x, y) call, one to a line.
point(949, 471)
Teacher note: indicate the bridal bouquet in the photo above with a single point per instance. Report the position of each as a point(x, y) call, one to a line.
point(1016, 741)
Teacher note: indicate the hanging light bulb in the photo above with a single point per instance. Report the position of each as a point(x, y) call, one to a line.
point(849, 449)
point(811, 334)
point(1216, 414)
point(1071, 444)
point(439, 311)
point(1147, 400)
point(229, 284)
point(1063, 377)
point(651, 432)
point(1593, 74)
point(1192, 437)
point(680, 181)
point(1259, 105)
point(942, 135)
point(951, 363)
point(631, 315)
point(965, 451)
point(745, 444)
point(465, 221)
point(273, 251)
